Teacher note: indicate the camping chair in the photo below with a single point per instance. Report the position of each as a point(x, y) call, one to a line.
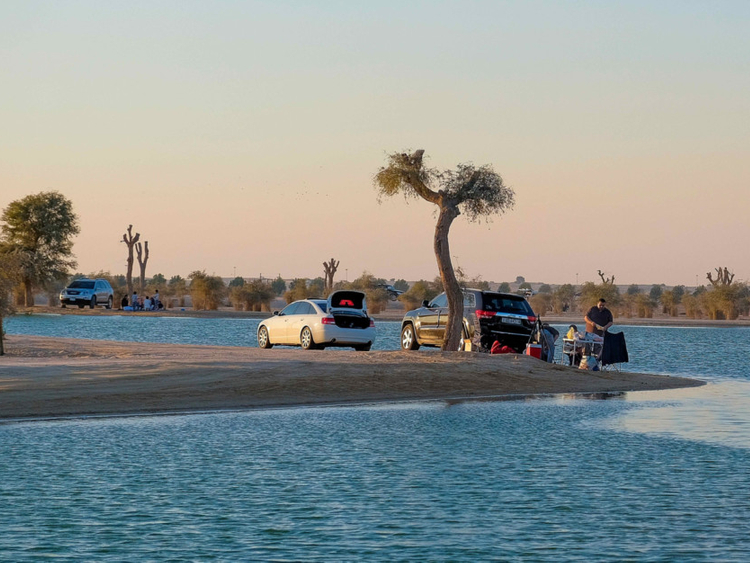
point(615, 351)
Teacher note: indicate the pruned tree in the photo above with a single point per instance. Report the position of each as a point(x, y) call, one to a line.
point(330, 270)
point(130, 241)
point(723, 277)
point(475, 192)
point(606, 281)
point(142, 252)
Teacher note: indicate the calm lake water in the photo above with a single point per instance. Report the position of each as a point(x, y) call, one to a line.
point(651, 476)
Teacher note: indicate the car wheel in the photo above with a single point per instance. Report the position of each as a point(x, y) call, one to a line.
point(408, 338)
point(110, 301)
point(263, 340)
point(363, 347)
point(93, 303)
point(306, 339)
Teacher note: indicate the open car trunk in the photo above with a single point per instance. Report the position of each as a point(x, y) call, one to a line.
point(349, 309)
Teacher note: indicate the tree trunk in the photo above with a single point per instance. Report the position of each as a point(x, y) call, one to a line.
point(142, 261)
point(454, 328)
point(29, 293)
point(130, 241)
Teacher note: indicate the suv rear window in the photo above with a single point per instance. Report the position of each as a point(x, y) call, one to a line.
point(82, 285)
point(507, 304)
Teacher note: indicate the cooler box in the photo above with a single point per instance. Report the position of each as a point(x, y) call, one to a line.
point(534, 350)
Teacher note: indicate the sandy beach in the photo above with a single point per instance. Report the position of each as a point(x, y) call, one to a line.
point(54, 377)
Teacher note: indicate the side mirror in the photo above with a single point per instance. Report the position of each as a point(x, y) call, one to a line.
point(425, 303)
point(276, 313)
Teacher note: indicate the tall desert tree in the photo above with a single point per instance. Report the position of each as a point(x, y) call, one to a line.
point(142, 261)
point(475, 192)
point(130, 241)
point(39, 230)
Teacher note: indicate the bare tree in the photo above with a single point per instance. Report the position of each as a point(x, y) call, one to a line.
point(142, 261)
point(723, 277)
point(606, 281)
point(476, 192)
point(329, 269)
point(130, 241)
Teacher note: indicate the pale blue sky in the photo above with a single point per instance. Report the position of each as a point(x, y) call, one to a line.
point(245, 134)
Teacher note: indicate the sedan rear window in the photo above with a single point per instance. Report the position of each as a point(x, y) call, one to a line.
point(82, 285)
point(507, 304)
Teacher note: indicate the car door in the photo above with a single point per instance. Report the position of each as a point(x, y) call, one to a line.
point(278, 326)
point(100, 292)
point(429, 318)
point(303, 316)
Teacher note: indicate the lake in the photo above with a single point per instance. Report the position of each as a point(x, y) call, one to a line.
point(651, 476)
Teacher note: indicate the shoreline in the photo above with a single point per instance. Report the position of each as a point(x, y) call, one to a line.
point(50, 378)
point(394, 314)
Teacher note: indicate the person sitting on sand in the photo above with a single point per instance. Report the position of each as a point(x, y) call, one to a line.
point(124, 302)
point(147, 304)
point(134, 301)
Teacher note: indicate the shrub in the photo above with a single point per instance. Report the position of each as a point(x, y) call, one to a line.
point(206, 292)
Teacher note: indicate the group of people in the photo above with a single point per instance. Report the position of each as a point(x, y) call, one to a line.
point(141, 303)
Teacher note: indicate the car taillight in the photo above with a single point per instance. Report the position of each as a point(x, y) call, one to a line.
point(372, 323)
point(328, 321)
point(484, 314)
point(532, 319)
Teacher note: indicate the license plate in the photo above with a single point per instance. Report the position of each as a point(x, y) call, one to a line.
point(512, 321)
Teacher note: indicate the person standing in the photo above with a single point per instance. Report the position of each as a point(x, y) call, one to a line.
point(134, 301)
point(599, 318)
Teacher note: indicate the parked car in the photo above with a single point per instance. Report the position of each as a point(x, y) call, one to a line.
point(392, 292)
point(84, 292)
point(505, 317)
point(342, 320)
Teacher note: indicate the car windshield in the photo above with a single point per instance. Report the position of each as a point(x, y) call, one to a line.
point(507, 304)
point(82, 285)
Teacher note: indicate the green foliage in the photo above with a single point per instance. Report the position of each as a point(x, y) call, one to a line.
point(541, 303)
point(421, 291)
point(644, 306)
point(317, 287)
point(176, 288)
point(563, 298)
point(206, 292)
point(157, 282)
point(504, 287)
point(655, 293)
point(545, 288)
point(525, 285)
point(237, 282)
point(253, 296)
point(279, 285)
point(725, 302)
point(377, 297)
point(297, 290)
point(401, 285)
point(38, 230)
point(679, 292)
point(591, 293)
point(633, 289)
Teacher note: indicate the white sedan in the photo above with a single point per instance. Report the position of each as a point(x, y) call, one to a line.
point(342, 320)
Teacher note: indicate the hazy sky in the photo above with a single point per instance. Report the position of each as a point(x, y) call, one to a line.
point(243, 136)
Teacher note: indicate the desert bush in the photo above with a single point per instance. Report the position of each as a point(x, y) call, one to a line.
point(422, 290)
point(541, 303)
point(253, 296)
point(725, 302)
point(297, 290)
point(279, 285)
point(176, 289)
point(592, 292)
point(644, 306)
point(504, 287)
point(692, 307)
point(563, 298)
point(206, 292)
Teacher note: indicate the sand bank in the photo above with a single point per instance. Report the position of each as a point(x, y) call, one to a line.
point(53, 377)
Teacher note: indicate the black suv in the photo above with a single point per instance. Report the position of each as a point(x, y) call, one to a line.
point(505, 317)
